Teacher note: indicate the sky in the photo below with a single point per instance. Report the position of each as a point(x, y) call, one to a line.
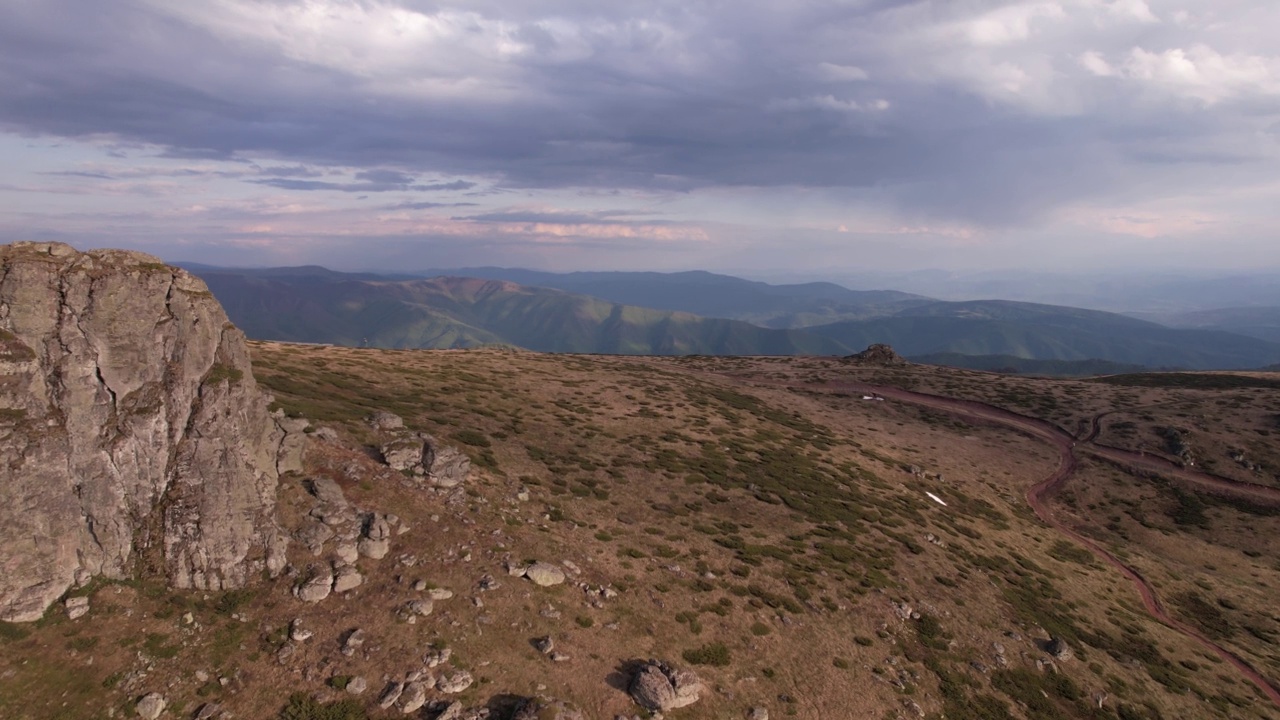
point(787, 137)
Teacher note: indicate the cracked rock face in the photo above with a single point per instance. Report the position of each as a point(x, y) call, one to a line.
point(129, 421)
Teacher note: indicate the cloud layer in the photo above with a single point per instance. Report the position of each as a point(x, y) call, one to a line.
point(1039, 119)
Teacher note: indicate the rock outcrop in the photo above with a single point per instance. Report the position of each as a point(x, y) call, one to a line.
point(877, 354)
point(130, 424)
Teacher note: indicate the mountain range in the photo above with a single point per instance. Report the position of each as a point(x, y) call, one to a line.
point(694, 313)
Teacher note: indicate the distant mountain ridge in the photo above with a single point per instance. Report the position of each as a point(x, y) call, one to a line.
point(1051, 332)
point(1258, 322)
point(451, 312)
point(312, 304)
point(714, 295)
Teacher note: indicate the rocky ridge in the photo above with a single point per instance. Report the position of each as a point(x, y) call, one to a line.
point(131, 429)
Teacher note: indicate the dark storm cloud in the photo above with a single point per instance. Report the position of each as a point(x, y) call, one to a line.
point(996, 115)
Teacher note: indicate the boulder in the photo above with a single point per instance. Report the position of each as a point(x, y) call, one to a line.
point(316, 588)
point(659, 687)
point(446, 466)
point(391, 694)
point(544, 574)
point(293, 443)
point(1058, 648)
point(77, 607)
point(347, 579)
point(413, 697)
point(383, 420)
point(328, 492)
point(132, 421)
point(353, 642)
point(150, 706)
point(404, 452)
point(455, 683)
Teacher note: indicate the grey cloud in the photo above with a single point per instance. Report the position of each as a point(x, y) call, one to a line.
point(370, 181)
point(294, 171)
point(679, 102)
point(564, 218)
point(384, 177)
point(455, 185)
point(427, 205)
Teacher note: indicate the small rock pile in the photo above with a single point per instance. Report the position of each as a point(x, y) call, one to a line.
point(419, 455)
point(358, 534)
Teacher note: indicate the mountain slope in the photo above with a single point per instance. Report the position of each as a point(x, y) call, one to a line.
point(1050, 333)
point(1259, 322)
point(712, 295)
point(466, 312)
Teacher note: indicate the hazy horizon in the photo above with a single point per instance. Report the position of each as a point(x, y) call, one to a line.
point(810, 138)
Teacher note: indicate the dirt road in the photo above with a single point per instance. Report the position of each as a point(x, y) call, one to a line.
point(1067, 447)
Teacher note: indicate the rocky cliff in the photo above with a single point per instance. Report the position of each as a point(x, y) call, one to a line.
point(131, 430)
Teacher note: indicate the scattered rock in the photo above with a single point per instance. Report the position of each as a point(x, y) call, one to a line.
point(544, 644)
point(413, 697)
point(353, 642)
point(348, 578)
point(316, 588)
point(658, 686)
point(455, 683)
point(446, 466)
point(347, 553)
point(77, 607)
point(1058, 648)
point(328, 492)
point(151, 706)
point(437, 657)
point(439, 594)
point(421, 608)
point(357, 685)
point(390, 695)
point(758, 713)
point(544, 709)
point(383, 420)
point(208, 711)
point(452, 711)
point(297, 632)
point(314, 535)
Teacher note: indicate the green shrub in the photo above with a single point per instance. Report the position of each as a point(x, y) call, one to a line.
point(472, 438)
point(302, 706)
point(715, 654)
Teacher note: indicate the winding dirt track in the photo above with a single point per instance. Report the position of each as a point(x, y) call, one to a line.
point(1067, 445)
